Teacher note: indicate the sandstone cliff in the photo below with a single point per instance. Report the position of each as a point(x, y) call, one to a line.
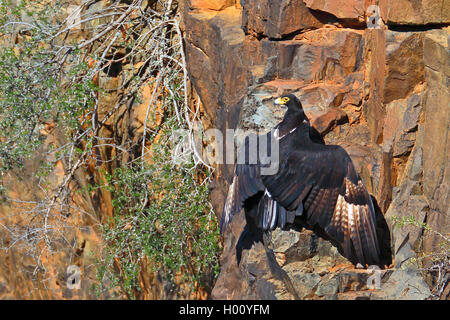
point(373, 81)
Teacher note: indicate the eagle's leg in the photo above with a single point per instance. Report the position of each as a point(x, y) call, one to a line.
point(275, 268)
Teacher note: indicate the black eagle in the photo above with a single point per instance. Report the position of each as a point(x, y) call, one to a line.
point(316, 186)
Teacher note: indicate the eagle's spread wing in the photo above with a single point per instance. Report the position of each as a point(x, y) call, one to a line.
point(324, 180)
point(246, 183)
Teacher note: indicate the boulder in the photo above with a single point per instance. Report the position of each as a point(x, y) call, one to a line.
point(342, 9)
point(418, 12)
point(277, 19)
point(404, 64)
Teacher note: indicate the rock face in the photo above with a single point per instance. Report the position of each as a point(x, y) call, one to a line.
point(341, 9)
point(382, 94)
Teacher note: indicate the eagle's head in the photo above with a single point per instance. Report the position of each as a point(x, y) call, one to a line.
point(289, 101)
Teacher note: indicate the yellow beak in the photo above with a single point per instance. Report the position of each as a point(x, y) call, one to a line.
point(279, 101)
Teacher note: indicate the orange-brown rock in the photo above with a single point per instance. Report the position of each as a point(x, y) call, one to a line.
point(277, 19)
point(404, 64)
point(218, 77)
point(210, 4)
point(327, 121)
point(324, 54)
point(418, 12)
point(342, 9)
point(436, 137)
point(375, 64)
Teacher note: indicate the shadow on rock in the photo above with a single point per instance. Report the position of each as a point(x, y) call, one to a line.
point(246, 241)
point(383, 234)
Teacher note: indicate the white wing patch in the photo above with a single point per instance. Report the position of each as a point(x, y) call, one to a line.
point(272, 211)
point(276, 133)
point(229, 202)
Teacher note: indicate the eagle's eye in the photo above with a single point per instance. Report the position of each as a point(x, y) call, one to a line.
point(285, 99)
